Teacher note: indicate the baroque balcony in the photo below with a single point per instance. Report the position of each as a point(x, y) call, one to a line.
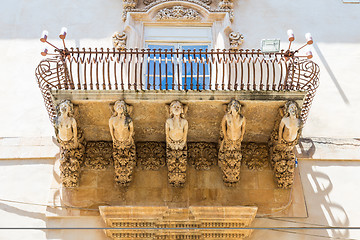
point(173, 71)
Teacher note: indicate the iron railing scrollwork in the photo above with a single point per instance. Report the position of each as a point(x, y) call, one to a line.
point(145, 69)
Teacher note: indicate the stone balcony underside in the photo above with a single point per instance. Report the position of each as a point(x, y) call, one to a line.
point(205, 111)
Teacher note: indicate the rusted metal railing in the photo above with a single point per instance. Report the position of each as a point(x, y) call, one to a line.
point(145, 69)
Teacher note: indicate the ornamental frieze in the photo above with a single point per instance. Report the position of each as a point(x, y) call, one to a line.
point(178, 13)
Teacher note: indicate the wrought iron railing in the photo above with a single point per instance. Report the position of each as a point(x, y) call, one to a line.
point(145, 69)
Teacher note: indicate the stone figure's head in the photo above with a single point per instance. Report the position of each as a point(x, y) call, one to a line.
point(177, 108)
point(65, 107)
point(120, 107)
point(292, 109)
point(234, 105)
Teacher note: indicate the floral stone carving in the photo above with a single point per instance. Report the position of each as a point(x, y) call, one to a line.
point(255, 155)
point(119, 40)
point(124, 151)
point(202, 155)
point(284, 137)
point(177, 13)
point(231, 135)
point(176, 129)
point(128, 5)
point(236, 40)
point(151, 155)
point(98, 155)
point(72, 144)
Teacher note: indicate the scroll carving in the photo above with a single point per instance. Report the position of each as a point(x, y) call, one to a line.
point(255, 155)
point(177, 13)
point(119, 40)
point(124, 151)
point(151, 155)
point(284, 137)
point(72, 144)
point(176, 129)
point(202, 155)
point(236, 40)
point(231, 135)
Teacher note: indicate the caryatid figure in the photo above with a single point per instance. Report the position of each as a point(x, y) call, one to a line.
point(72, 144)
point(283, 140)
point(231, 135)
point(122, 133)
point(121, 125)
point(290, 123)
point(176, 129)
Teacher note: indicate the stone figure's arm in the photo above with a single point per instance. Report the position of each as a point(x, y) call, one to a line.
point(167, 130)
point(131, 129)
point(186, 126)
point(223, 127)
point(243, 129)
point(281, 130)
point(111, 129)
point(74, 127)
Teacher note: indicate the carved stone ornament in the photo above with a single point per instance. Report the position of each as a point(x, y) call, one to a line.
point(176, 129)
point(227, 5)
point(255, 155)
point(202, 155)
point(236, 40)
point(124, 151)
point(72, 144)
point(231, 135)
point(128, 5)
point(147, 2)
point(119, 40)
point(283, 139)
point(98, 155)
point(177, 13)
point(151, 155)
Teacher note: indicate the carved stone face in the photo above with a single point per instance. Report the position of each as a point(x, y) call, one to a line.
point(64, 108)
point(292, 109)
point(234, 107)
point(176, 108)
point(120, 107)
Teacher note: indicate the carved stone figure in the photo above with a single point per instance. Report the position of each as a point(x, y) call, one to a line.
point(231, 135)
point(72, 144)
point(119, 40)
point(283, 140)
point(176, 129)
point(236, 39)
point(124, 151)
point(177, 13)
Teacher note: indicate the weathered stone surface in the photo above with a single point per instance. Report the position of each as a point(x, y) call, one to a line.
point(151, 155)
point(202, 155)
point(98, 155)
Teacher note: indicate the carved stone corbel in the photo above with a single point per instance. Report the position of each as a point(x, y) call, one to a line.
point(231, 135)
point(176, 128)
point(283, 139)
point(72, 144)
point(119, 40)
point(236, 40)
point(124, 151)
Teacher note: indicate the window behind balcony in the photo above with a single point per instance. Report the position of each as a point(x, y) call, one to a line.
point(179, 69)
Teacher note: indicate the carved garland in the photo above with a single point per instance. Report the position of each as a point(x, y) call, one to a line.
point(179, 13)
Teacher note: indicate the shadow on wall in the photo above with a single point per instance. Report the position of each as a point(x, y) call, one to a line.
point(333, 213)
